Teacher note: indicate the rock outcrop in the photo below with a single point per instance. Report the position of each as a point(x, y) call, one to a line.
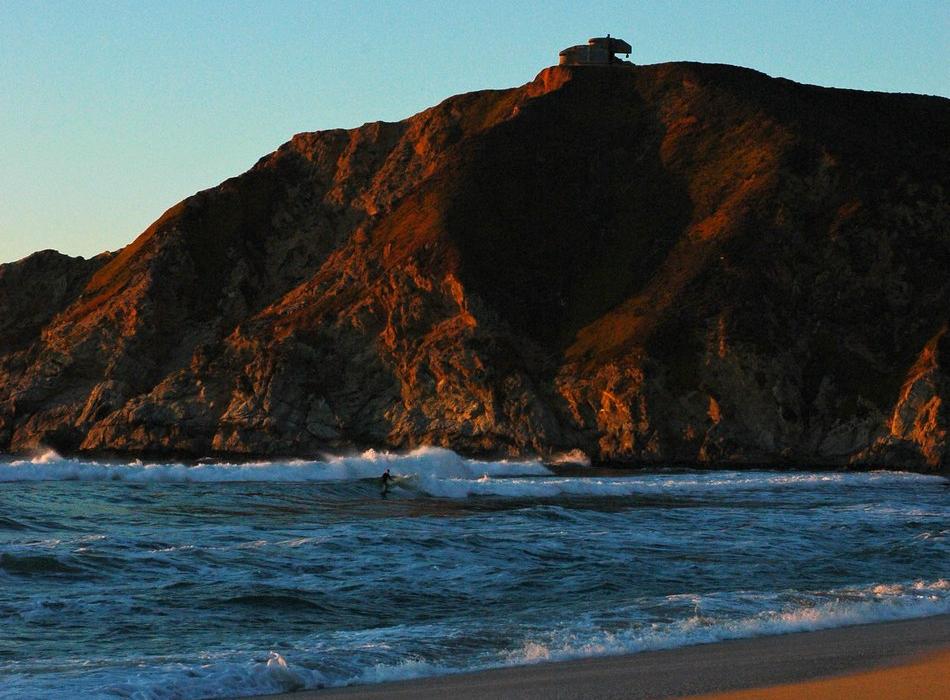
point(681, 263)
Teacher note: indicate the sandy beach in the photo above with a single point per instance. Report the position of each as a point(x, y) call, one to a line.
point(905, 659)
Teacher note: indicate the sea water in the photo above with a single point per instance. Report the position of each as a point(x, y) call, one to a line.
point(216, 580)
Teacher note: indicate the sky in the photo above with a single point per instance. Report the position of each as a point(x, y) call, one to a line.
point(111, 112)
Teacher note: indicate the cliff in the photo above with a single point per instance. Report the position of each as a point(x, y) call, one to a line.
point(683, 263)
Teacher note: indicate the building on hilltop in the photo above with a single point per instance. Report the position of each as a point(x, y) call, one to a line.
point(599, 51)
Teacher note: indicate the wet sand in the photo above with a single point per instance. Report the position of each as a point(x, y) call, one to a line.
point(925, 679)
point(907, 659)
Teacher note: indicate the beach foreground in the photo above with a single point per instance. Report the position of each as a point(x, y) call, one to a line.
point(905, 659)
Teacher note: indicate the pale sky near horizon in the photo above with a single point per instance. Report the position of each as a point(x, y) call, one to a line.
point(112, 112)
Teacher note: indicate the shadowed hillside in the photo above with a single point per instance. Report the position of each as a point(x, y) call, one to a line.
point(682, 263)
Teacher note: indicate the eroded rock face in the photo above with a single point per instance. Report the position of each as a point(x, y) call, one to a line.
point(917, 430)
point(676, 263)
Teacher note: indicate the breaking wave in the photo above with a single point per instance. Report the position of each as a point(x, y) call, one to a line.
point(270, 672)
point(431, 462)
point(691, 484)
point(776, 614)
point(442, 473)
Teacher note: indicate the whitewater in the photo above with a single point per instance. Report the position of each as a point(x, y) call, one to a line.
point(210, 580)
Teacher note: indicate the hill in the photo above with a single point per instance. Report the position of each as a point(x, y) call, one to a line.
point(679, 263)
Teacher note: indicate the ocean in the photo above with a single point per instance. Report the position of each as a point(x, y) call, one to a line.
point(139, 580)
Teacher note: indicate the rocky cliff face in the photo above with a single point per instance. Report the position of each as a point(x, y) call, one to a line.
point(676, 263)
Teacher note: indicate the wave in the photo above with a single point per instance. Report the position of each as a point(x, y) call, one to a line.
point(658, 484)
point(220, 679)
point(826, 610)
point(839, 608)
point(11, 524)
point(575, 457)
point(574, 640)
point(209, 675)
point(273, 601)
point(442, 473)
point(225, 675)
point(426, 461)
point(35, 564)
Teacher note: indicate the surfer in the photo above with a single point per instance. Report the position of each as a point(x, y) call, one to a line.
point(386, 479)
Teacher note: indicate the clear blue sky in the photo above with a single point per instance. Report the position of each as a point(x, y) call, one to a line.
point(112, 112)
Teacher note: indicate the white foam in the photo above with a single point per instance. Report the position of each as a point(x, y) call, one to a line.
point(425, 461)
point(656, 485)
point(875, 603)
point(530, 488)
point(223, 676)
point(574, 457)
point(579, 639)
point(406, 670)
point(443, 473)
point(209, 676)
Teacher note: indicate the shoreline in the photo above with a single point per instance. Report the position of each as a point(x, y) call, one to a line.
point(882, 655)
